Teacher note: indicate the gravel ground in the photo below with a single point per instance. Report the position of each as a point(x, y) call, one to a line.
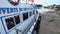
point(50, 24)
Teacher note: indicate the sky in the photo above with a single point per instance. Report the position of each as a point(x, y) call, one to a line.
point(47, 2)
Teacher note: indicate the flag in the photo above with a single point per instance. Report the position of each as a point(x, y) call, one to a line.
point(30, 1)
point(27, 1)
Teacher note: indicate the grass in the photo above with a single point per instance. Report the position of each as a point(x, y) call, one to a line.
point(58, 13)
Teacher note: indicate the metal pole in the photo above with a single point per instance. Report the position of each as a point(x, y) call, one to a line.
point(26, 1)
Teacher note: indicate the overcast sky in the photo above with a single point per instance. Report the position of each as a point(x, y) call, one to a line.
point(47, 2)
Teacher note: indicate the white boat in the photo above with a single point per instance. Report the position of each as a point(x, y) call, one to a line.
point(20, 19)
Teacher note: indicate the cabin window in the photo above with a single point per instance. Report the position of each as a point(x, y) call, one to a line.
point(10, 22)
point(25, 16)
point(17, 19)
point(30, 14)
point(33, 12)
point(36, 12)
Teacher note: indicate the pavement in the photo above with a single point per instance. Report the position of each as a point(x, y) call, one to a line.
point(50, 24)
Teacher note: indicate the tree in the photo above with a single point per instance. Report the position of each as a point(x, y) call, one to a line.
point(38, 6)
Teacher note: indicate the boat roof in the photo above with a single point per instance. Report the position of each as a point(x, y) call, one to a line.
point(5, 3)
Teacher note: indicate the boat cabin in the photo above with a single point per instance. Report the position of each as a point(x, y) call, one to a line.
point(16, 19)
